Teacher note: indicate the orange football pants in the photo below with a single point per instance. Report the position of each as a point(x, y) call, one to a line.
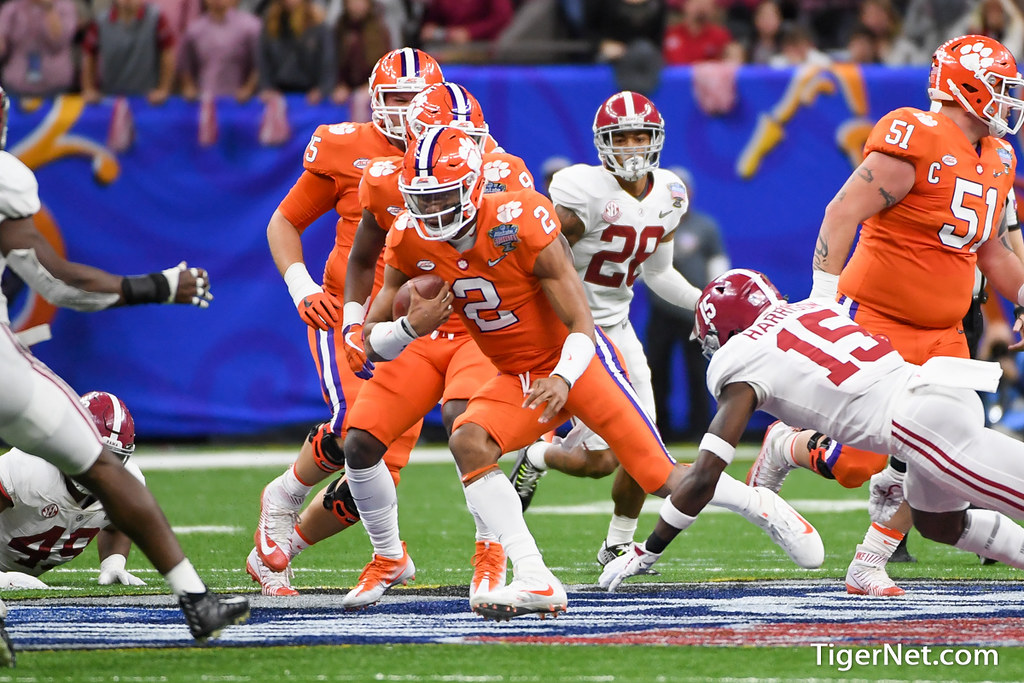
point(602, 398)
point(852, 466)
point(403, 390)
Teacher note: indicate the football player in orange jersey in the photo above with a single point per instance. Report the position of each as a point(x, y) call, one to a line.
point(446, 366)
point(932, 195)
point(333, 166)
point(512, 283)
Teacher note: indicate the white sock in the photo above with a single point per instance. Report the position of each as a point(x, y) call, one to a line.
point(880, 542)
point(373, 489)
point(495, 500)
point(482, 532)
point(994, 535)
point(734, 495)
point(291, 492)
point(296, 543)
point(183, 579)
point(621, 530)
point(535, 454)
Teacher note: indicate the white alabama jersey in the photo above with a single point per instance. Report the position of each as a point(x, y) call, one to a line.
point(621, 231)
point(45, 527)
point(811, 365)
point(19, 198)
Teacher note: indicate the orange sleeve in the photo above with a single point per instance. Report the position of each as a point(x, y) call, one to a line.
point(903, 133)
point(311, 196)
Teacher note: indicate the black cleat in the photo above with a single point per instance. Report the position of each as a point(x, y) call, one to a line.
point(524, 478)
point(6, 647)
point(901, 554)
point(208, 613)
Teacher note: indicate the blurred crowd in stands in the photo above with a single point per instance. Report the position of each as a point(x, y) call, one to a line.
point(326, 48)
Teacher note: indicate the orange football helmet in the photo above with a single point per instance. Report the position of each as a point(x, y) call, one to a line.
point(625, 111)
point(445, 104)
point(406, 70)
point(979, 74)
point(442, 182)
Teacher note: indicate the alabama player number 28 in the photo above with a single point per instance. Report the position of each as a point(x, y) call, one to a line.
point(640, 247)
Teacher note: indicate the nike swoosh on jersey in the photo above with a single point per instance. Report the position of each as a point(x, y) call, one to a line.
point(496, 261)
point(664, 213)
point(546, 592)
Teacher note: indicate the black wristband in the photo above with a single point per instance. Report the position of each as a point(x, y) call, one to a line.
point(1018, 311)
point(146, 289)
point(897, 465)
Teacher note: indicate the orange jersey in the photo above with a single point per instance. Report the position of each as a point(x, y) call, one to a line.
point(497, 295)
point(915, 260)
point(379, 193)
point(337, 152)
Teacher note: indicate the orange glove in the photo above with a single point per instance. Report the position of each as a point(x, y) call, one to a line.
point(320, 310)
point(356, 353)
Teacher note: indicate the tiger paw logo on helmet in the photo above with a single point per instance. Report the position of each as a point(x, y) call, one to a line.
point(469, 151)
point(976, 56)
point(510, 211)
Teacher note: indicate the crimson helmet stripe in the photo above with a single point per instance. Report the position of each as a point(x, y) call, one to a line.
point(425, 151)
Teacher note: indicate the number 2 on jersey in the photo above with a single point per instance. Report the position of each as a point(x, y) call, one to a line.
point(871, 348)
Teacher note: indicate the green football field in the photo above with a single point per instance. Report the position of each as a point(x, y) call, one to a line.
point(215, 511)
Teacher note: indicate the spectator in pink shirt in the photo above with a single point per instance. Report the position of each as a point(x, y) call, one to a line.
point(218, 54)
point(458, 22)
point(36, 46)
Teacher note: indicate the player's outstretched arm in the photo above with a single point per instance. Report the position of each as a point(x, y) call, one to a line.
point(316, 307)
point(85, 288)
point(562, 287)
point(878, 183)
point(362, 266)
point(113, 549)
point(667, 282)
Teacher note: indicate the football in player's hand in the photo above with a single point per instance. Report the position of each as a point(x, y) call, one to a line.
point(427, 286)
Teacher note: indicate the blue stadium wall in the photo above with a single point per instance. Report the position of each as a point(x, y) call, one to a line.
point(766, 171)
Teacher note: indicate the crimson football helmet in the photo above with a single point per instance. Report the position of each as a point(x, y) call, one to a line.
point(442, 182)
point(625, 111)
point(979, 74)
point(113, 421)
point(5, 108)
point(405, 70)
point(445, 104)
point(730, 304)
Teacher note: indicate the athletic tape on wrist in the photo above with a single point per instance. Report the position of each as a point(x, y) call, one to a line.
point(674, 517)
point(719, 446)
point(389, 339)
point(352, 313)
point(300, 284)
point(577, 352)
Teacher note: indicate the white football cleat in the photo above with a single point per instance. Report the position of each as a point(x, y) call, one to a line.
point(379, 576)
point(542, 594)
point(489, 568)
point(636, 560)
point(278, 516)
point(867, 578)
point(788, 529)
point(771, 465)
point(271, 582)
